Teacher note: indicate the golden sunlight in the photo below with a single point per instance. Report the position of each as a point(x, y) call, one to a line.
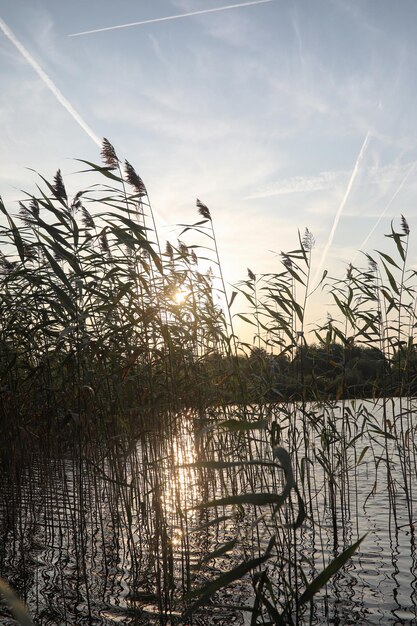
point(180, 295)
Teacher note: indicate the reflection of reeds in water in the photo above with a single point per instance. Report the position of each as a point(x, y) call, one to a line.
point(143, 526)
point(139, 478)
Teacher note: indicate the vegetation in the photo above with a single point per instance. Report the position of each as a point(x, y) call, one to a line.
point(122, 377)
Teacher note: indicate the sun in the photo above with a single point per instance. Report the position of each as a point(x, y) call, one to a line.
point(180, 295)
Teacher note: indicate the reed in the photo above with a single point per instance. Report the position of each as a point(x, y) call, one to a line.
point(162, 459)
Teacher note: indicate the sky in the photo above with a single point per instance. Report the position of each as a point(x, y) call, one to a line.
point(279, 115)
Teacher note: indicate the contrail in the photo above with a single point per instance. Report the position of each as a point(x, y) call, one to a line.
point(341, 207)
point(49, 83)
point(401, 185)
point(171, 17)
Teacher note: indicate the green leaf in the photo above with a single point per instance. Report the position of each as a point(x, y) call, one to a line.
point(223, 549)
point(232, 299)
point(131, 241)
point(259, 595)
point(56, 267)
point(225, 579)
point(15, 232)
point(67, 256)
point(213, 522)
point(388, 259)
point(242, 425)
point(301, 511)
point(278, 620)
point(124, 236)
point(384, 433)
point(328, 572)
point(299, 311)
point(65, 299)
point(55, 233)
point(362, 454)
point(99, 168)
point(295, 275)
point(398, 242)
point(257, 499)
point(391, 279)
point(246, 319)
point(138, 229)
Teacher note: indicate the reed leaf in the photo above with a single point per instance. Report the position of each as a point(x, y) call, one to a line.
point(320, 581)
point(16, 605)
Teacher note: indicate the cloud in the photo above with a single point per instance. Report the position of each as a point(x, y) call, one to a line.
point(156, 46)
point(388, 205)
point(48, 82)
point(298, 184)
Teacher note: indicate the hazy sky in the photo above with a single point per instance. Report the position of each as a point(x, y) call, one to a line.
point(277, 115)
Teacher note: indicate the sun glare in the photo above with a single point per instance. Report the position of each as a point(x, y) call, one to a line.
point(181, 295)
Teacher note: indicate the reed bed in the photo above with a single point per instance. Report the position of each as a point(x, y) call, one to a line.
point(157, 470)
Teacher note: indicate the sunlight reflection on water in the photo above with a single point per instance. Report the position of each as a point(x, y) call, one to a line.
point(117, 542)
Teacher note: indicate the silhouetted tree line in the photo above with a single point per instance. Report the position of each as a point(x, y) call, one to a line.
point(315, 372)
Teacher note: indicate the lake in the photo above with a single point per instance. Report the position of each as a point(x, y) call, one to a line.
point(117, 535)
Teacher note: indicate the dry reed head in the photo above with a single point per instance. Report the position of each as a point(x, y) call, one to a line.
point(251, 275)
point(169, 250)
point(183, 249)
point(286, 260)
point(104, 243)
point(86, 218)
point(108, 155)
point(134, 179)
point(59, 187)
point(349, 271)
point(76, 202)
point(203, 210)
point(6, 265)
point(404, 225)
point(308, 240)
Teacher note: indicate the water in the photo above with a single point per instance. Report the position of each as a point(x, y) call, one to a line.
point(110, 538)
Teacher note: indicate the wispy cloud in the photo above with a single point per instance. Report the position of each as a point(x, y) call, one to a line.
point(297, 184)
point(298, 38)
point(341, 207)
point(48, 82)
point(395, 194)
point(171, 17)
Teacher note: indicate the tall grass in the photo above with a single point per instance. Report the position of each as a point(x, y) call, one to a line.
point(123, 382)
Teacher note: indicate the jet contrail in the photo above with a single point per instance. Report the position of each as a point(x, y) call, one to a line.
point(171, 17)
point(49, 83)
point(341, 207)
point(401, 185)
